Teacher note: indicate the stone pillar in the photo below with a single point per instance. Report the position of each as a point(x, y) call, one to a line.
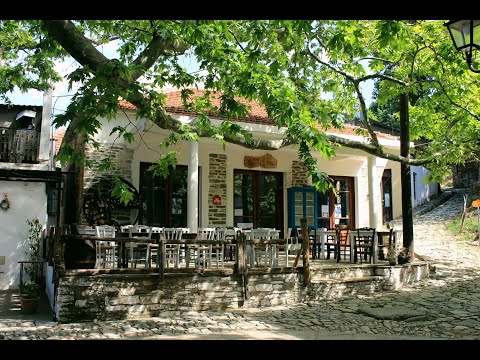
point(372, 191)
point(299, 175)
point(217, 178)
point(192, 186)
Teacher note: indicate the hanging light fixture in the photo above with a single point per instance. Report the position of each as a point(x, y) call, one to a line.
point(466, 38)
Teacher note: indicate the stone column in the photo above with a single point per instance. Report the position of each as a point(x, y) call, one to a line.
point(192, 186)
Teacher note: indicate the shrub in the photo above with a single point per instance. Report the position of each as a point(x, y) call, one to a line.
point(32, 251)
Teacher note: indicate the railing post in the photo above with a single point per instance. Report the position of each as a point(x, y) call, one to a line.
point(241, 265)
point(160, 257)
point(306, 251)
point(241, 261)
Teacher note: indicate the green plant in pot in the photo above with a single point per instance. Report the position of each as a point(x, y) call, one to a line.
point(29, 296)
point(30, 290)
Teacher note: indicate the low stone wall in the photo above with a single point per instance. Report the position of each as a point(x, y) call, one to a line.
point(398, 276)
point(87, 295)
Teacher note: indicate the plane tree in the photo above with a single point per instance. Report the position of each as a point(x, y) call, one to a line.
point(309, 75)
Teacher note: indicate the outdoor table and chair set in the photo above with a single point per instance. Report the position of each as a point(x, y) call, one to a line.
point(130, 246)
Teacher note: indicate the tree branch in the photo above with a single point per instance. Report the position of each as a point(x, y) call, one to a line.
point(333, 68)
point(382, 76)
point(365, 120)
point(75, 43)
point(153, 51)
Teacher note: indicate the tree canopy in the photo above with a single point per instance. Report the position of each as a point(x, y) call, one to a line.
point(304, 72)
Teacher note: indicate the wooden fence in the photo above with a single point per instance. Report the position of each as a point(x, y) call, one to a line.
point(18, 146)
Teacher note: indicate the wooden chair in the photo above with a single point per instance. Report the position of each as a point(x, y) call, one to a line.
point(342, 244)
point(260, 253)
point(230, 249)
point(199, 253)
point(140, 252)
point(105, 251)
point(172, 251)
point(217, 251)
point(154, 246)
point(363, 246)
point(331, 245)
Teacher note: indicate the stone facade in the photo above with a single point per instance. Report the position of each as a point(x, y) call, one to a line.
point(298, 176)
point(217, 177)
point(88, 295)
point(123, 168)
point(120, 154)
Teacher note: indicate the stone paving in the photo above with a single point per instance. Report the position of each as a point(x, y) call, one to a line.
point(445, 306)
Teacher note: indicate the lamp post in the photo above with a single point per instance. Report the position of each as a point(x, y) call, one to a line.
point(466, 37)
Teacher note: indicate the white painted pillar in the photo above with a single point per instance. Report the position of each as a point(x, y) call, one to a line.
point(44, 147)
point(192, 190)
point(372, 191)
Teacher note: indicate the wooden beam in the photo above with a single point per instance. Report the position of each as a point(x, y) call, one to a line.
point(306, 251)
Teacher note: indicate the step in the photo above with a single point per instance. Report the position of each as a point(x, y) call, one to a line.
point(346, 280)
point(330, 288)
point(343, 272)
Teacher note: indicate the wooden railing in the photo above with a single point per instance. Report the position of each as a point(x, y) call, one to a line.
point(19, 145)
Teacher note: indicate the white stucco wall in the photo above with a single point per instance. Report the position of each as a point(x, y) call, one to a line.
point(28, 200)
point(423, 192)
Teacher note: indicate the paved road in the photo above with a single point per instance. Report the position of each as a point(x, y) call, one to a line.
point(445, 306)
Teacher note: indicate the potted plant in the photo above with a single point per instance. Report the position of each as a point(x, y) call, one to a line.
point(30, 290)
point(29, 296)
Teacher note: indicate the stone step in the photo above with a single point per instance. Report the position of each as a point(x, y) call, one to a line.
point(343, 272)
point(319, 280)
point(330, 288)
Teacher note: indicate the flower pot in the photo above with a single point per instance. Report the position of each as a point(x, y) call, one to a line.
point(29, 305)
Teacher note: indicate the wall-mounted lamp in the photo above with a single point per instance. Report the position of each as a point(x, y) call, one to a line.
point(466, 37)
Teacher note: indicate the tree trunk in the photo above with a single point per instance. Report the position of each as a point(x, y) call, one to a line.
point(407, 214)
point(74, 184)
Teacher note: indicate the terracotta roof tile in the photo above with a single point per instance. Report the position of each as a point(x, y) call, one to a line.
point(256, 115)
point(58, 136)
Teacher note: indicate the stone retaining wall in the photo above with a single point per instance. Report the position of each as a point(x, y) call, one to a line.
point(87, 295)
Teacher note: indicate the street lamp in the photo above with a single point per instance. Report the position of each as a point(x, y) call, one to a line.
point(466, 37)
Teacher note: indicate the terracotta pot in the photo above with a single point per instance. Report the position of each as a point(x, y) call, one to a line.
point(29, 305)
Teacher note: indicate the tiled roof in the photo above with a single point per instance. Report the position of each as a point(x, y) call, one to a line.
point(256, 114)
point(58, 136)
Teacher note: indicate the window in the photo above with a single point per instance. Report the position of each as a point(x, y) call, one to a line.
point(387, 195)
point(335, 210)
point(258, 198)
point(164, 200)
point(52, 199)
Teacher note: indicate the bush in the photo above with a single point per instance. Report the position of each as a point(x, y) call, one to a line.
point(32, 251)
